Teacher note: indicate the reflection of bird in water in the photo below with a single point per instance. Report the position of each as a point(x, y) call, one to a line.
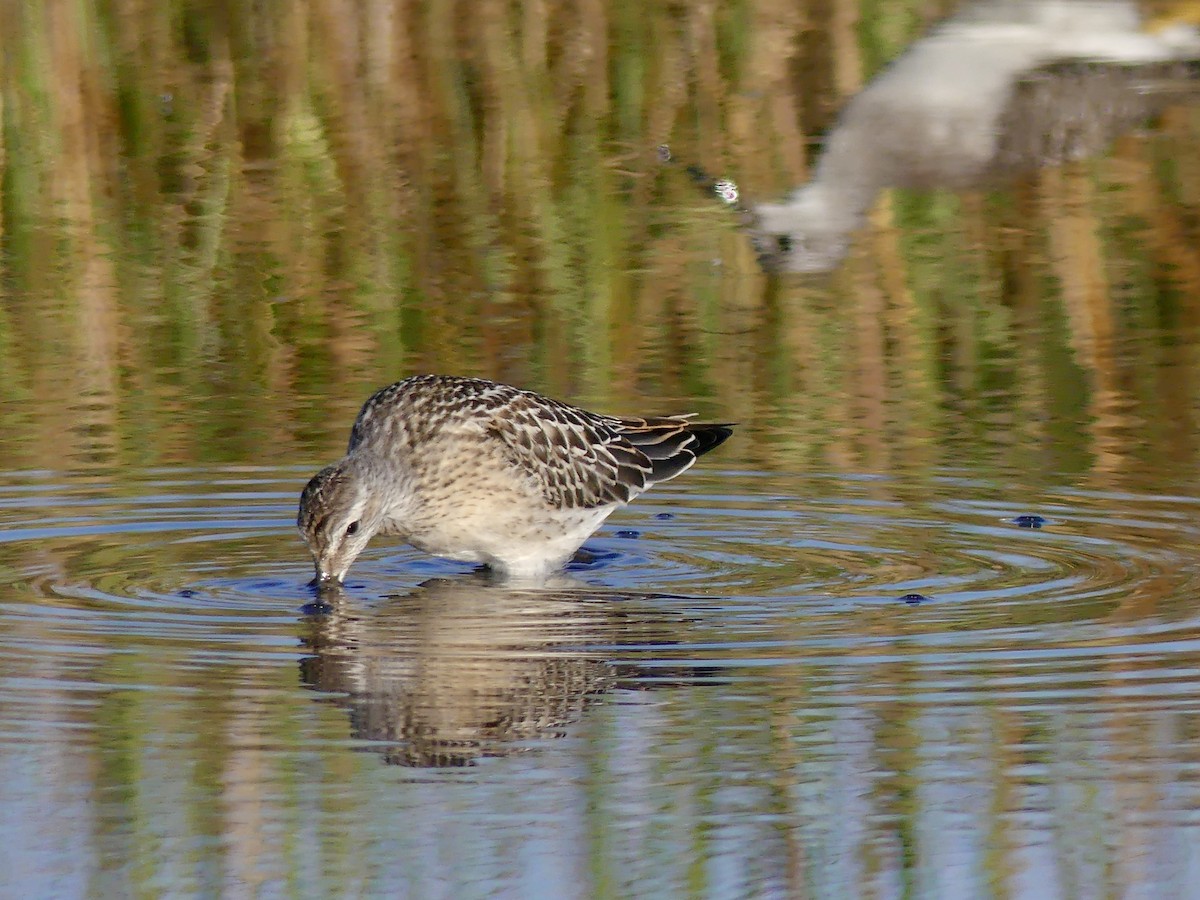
point(483, 472)
point(1001, 86)
point(462, 669)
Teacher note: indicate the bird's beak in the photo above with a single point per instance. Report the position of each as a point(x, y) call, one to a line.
point(325, 580)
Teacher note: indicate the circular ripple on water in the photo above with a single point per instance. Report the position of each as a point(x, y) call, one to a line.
point(202, 542)
point(836, 543)
point(152, 555)
point(197, 567)
point(858, 579)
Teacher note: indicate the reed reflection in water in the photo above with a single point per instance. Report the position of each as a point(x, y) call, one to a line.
point(224, 225)
point(187, 221)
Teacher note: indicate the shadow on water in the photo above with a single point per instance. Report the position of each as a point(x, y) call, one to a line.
point(462, 668)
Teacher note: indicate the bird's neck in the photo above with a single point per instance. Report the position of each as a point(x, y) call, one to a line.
point(389, 484)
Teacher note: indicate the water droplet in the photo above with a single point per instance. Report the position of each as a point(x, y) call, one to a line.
point(628, 533)
point(664, 515)
point(914, 599)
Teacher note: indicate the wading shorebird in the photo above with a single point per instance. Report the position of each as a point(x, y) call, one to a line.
point(487, 473)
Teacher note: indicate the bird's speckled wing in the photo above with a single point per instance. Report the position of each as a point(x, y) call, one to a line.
point(575, 458)
point(413, 411)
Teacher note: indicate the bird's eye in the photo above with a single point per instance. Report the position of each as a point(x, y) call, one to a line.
point(352, 528)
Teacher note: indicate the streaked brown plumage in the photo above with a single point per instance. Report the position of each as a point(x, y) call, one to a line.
point(485, 472)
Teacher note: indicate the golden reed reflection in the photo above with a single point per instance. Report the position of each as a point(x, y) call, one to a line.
point(222, 225)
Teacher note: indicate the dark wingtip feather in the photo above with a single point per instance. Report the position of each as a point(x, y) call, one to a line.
point(697, 439)
point(709, 437)
point(666, 469)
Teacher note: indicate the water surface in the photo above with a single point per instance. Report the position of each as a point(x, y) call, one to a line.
point(739, 693)
point(925, 627)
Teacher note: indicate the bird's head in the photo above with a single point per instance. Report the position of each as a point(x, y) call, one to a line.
point(810, 232)
point(338, 517)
